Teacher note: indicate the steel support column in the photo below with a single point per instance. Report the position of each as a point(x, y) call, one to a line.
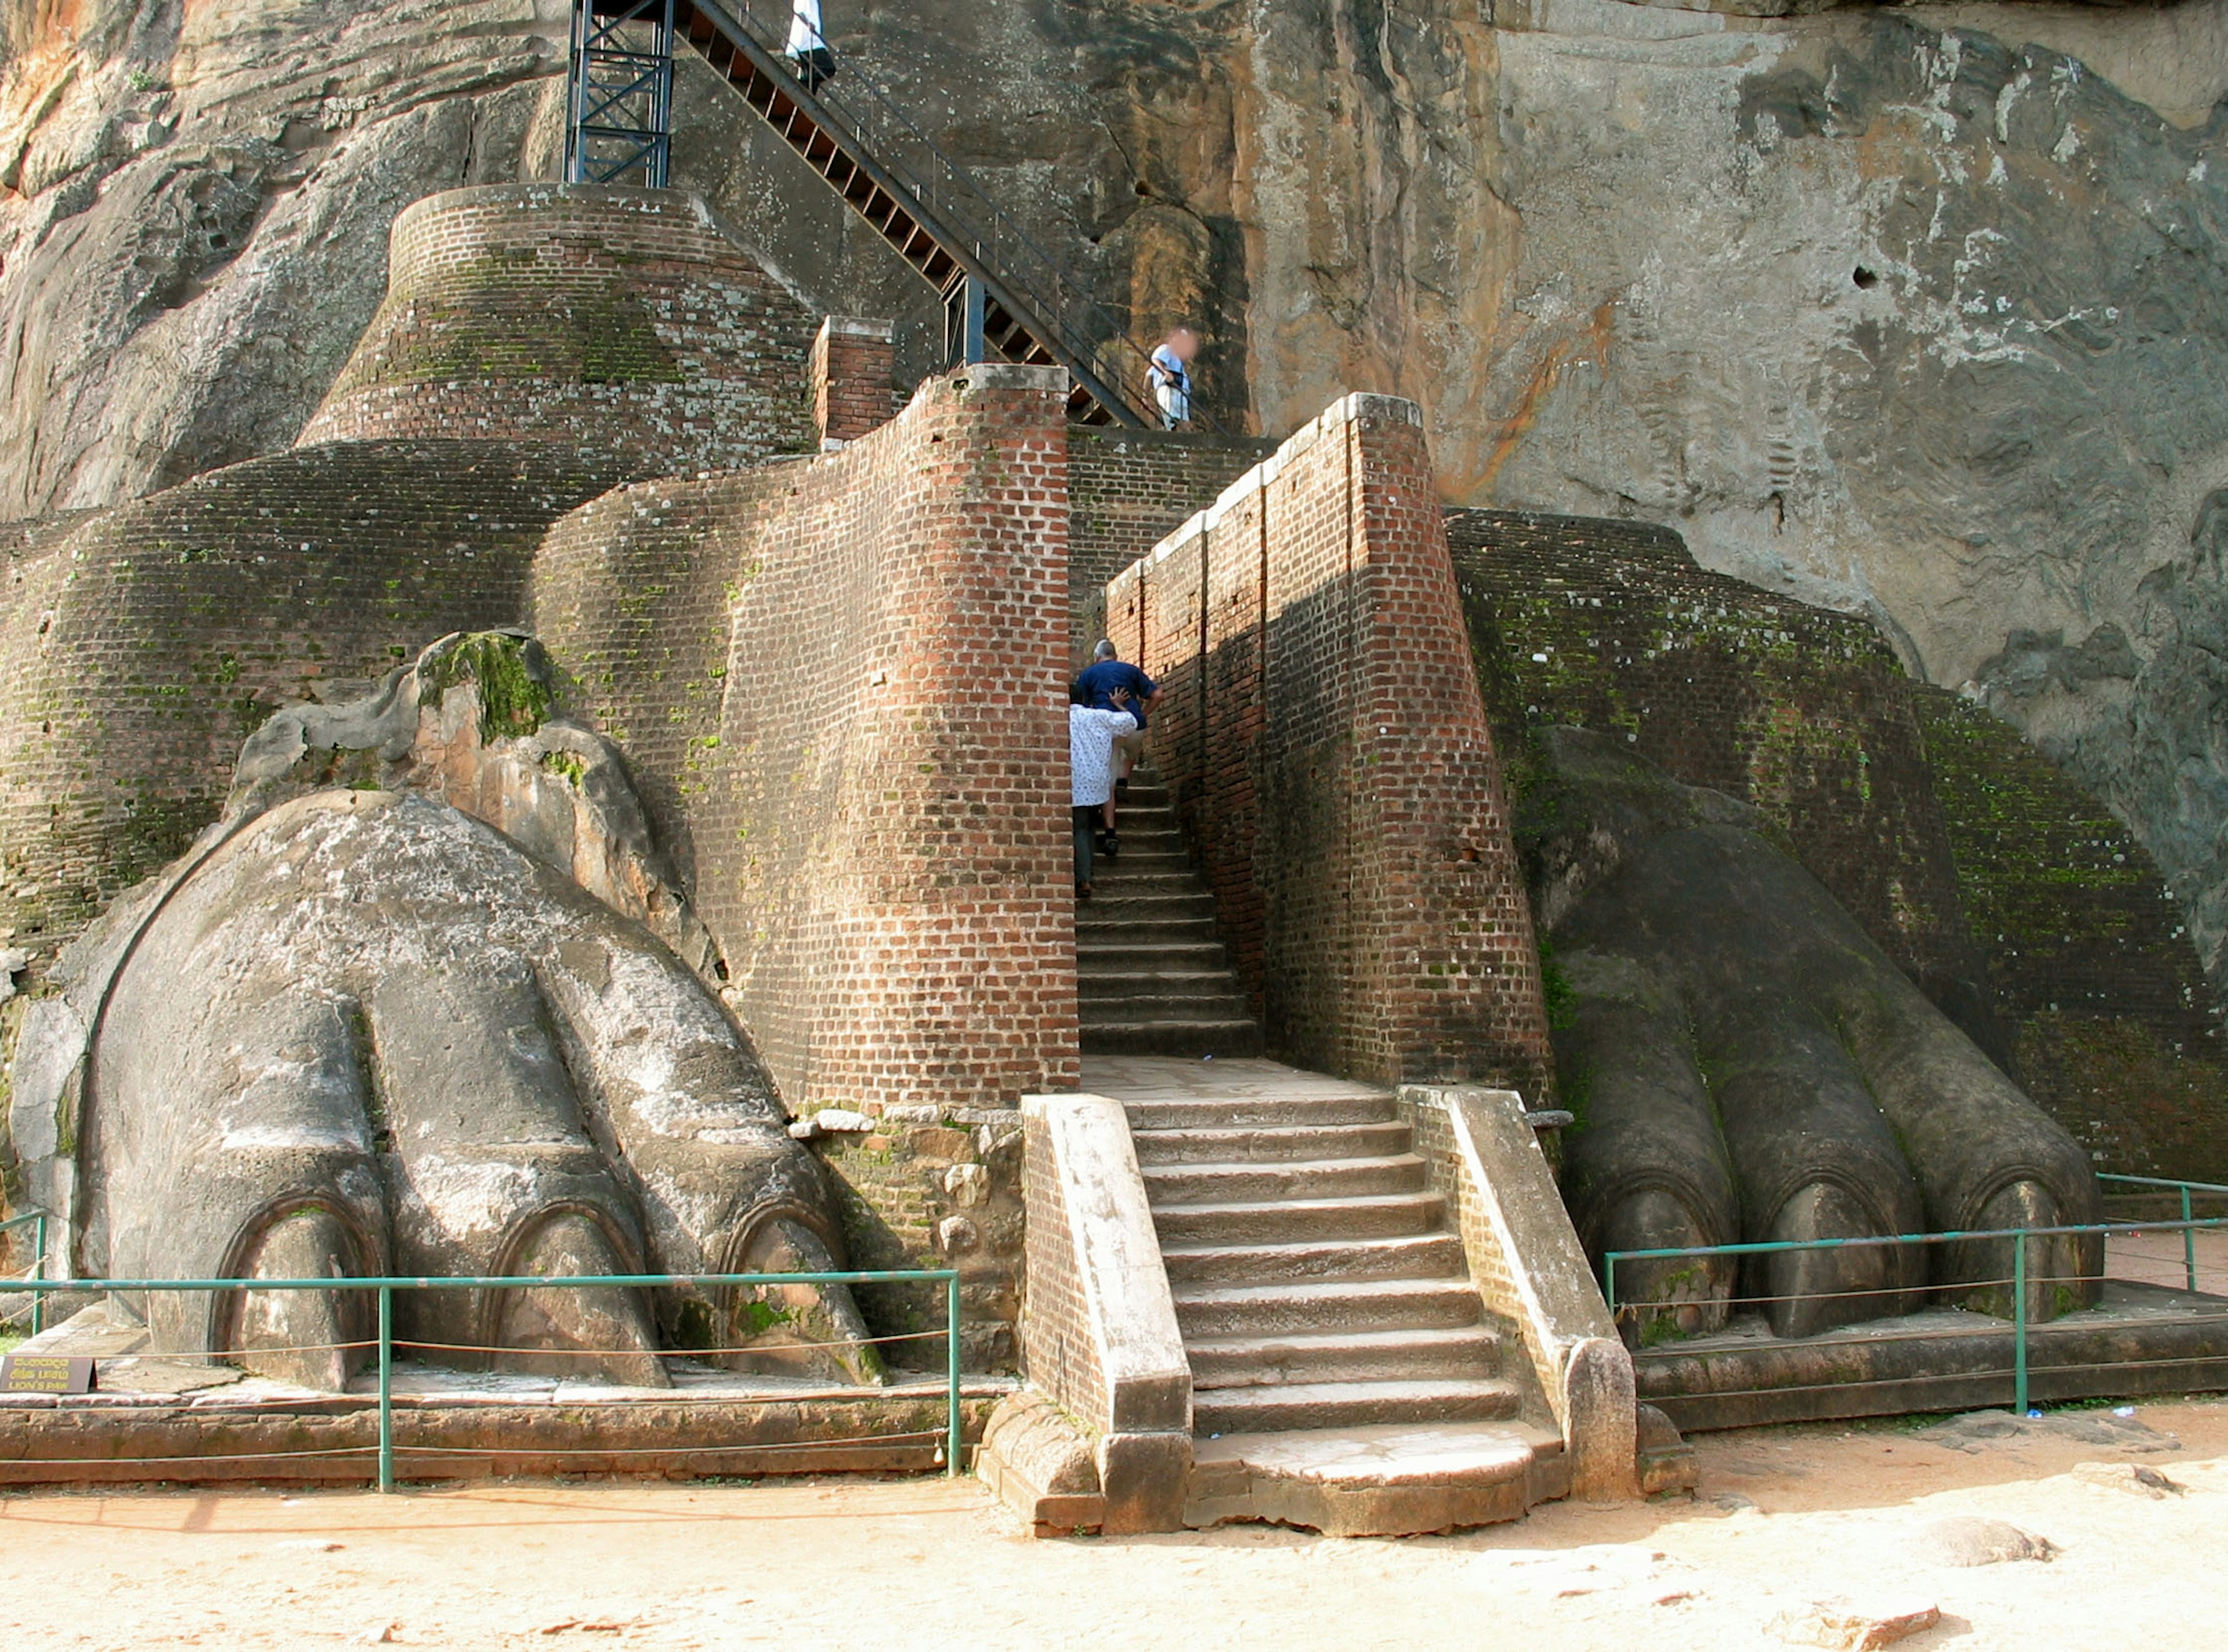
point(618, 105)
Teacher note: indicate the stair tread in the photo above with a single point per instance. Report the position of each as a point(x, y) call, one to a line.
point(1323, 1290)
point(1291, 1167)
point(1328, 1204)
point(1224, 1344)
point(1307, 1393)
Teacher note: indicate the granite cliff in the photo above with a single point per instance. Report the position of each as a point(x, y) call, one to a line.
point(1915, 313)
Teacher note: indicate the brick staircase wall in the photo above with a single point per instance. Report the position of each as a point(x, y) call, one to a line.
point(840, 684)
point(140, 647)
point(1328, 752)
point(623, 321)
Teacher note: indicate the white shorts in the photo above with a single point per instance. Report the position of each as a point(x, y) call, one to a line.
point(1175, 403)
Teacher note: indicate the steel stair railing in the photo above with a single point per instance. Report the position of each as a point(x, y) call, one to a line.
point(938, 217)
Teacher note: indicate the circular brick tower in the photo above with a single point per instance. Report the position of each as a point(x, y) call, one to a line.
point(622, 321)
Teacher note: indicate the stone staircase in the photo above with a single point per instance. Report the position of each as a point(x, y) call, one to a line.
point(1151, 977)
point(1343, 1375)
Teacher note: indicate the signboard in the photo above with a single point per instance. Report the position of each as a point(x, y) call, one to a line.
point(46, 1373)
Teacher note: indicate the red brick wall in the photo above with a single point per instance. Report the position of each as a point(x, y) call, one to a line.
point(855, 367)
point(618, 320)
point(840, 683)
point(1329, 755)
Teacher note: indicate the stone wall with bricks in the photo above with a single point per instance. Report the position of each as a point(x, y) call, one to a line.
point(140, 647)
point(854, 367)
point(1330, 756)
point(623, 321)
point(839, 685)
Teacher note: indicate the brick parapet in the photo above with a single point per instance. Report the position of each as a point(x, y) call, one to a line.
point(853, 372)
point(622, 321)
point(1330, 760)
point(841, 682)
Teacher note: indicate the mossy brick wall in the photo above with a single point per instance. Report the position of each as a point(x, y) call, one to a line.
point(1805, 713)
point(1128, 490)
point(619, 320)
point(840, 684)
point(141, 649)
point(2116, 1035)
point(1330, 760)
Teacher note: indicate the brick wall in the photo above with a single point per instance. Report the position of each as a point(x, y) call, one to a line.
point(1330, 760)
point(854, 367)
point(1129, 490)
point(619, 320)
point(139, 650)
point(1805, 713)
point(839, 683)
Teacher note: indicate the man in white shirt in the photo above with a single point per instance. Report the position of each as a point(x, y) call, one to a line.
point(1092, 732)
point(1171, 377)
point(808, 48)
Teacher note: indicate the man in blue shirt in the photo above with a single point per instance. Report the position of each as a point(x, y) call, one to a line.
point(1170, 377)
point(1106, 675)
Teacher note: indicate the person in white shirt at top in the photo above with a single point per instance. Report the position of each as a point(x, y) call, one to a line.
point(1171, 377)
point(808, 47)
point(1092, 732)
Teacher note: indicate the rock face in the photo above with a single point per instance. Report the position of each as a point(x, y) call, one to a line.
point(1921, 315)
point(1744, 1066)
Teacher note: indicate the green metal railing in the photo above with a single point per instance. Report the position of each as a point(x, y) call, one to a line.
point(386, 1288)
point(2188, 1226)
point(36, 1221)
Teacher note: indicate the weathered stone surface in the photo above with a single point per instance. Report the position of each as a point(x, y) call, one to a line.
point(1975, 1540)
point(1916, 315)
point(1856, 1626)
point(2130, 1477)
point(1745, 1065)
point(364, 1033)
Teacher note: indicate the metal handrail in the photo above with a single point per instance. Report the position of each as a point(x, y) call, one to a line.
point(36, 1221)
point(2187, 1227)
point(387, 1285)
point(882, 124)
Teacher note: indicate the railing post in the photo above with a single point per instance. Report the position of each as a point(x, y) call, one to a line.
point(39, 1272)
point(386, 1387)
point(951, 1376)
point(2188, 1240)
point(2019, 1324)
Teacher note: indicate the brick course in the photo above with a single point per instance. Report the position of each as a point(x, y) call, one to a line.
point(621, 320)
point(839, 683)
point(1330, 757)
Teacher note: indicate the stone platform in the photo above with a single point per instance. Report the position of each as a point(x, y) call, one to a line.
point(2140, 1339)
point(153, 1419)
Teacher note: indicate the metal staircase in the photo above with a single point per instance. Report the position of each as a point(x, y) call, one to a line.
point(1002, 292)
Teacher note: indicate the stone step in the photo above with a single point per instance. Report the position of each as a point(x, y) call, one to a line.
point(1272, 1146)
point(1270, 1221)
point(1385, 1480)
point(1322, 1306)
point(1094, 929)
point(1116, 954)
point(1102, 982)
point(1467, 1352)
point(1397, 1256)
point(1223, 1006)
point(1145, 794)
point(1236, 1040)
point(1358, 1106)
point(1206, 1181)
point(1141, 855)
point(1121, 881)
point(1347, 1404)
point(1117, 904)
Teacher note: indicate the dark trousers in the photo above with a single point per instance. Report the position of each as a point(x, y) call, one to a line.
point(1088, 818)
point(815, 68)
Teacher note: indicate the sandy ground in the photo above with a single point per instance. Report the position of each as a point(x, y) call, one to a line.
point(1785, 1516)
